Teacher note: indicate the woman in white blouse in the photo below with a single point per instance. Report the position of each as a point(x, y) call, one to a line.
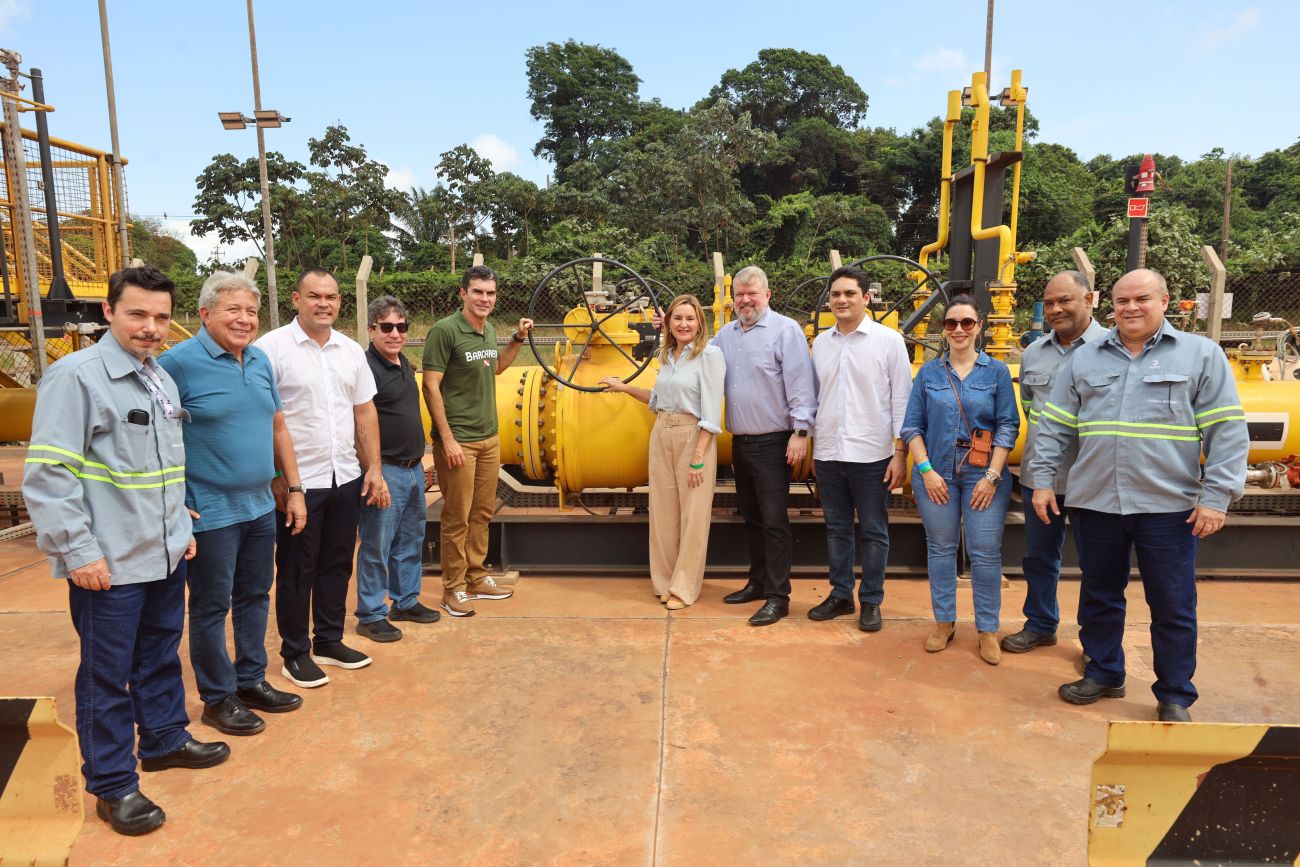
point(687, 400)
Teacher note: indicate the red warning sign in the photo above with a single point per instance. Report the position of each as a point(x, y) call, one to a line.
point(1137, 209)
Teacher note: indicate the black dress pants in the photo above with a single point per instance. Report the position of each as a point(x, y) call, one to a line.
point(763, 497)
point(312, 569)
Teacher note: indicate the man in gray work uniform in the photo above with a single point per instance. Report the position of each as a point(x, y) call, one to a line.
point(1067, 307)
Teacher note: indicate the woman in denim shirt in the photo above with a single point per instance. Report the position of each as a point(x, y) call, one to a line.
point(949, 491)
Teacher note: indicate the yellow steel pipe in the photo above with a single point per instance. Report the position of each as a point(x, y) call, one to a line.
point(950, 121)
point(1016, 95)
point(979, 157)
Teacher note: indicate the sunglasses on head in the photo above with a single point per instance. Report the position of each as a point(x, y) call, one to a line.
point(966, 324)
point(387, 327)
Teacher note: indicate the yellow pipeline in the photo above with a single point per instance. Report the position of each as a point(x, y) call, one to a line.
point(945, 180)
point(979, 157)
point(1016, 96)
point(1002, 289)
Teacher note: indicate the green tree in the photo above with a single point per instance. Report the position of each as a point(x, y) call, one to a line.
point(229, 201)
point(1056, 194)
point(514, 205)
point(465, 174)
point(585, 95)
point(151, 242)
point(422, 224)
point(785, 86)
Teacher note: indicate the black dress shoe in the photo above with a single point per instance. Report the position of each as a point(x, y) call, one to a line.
point(230, 716)
point(1169, 712)
point(267, 698)
point(132, 814)
point(751, 592)
point(772, 611)
point(1026, 640)
point(869, 620)
point(192, 755)
point(831, 607)
point(1087, 691)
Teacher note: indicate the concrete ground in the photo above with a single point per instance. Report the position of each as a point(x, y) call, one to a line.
point(581, 723)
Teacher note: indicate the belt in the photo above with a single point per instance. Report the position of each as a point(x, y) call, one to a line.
point(406, 465)
point(786, 434)
point(677, 419)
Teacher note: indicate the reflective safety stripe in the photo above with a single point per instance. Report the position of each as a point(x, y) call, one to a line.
point(1215, 421)
point(58, 451)
point(1137, 436)
point(1138, 424)
point(1052, 416)
point(90, 476)
point(1218, 409)
point(141, 475)
point(1049, 405)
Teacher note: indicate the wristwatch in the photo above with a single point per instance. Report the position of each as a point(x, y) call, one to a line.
point(992, 478)
point(517, 337)
point(802, 432)
point(297, 489)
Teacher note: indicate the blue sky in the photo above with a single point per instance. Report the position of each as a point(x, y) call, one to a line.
point(413, 79)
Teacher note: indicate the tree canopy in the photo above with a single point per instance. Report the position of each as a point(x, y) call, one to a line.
point(774, 164)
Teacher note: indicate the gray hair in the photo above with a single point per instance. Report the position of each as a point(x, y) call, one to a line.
point(221, 282)
point(382, 306)
point(750, 275)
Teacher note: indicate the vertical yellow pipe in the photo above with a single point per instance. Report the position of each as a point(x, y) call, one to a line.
point(1017, 94)
point(1002, 291)
point(951, 119)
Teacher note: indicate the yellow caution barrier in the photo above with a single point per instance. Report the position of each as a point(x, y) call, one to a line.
point(1196, 793)
point(40, 783)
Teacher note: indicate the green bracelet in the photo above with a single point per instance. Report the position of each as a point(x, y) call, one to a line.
point(697, 466)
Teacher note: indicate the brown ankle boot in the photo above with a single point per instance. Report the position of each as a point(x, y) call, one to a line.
point(939, 638)
point(990, 652)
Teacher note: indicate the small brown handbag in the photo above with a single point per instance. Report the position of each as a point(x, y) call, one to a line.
point(981, 441)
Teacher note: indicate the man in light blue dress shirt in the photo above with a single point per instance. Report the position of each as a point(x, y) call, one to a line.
point(771, 404)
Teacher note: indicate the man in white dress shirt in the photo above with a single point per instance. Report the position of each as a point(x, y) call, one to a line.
point(327, 391)
point(863, 381)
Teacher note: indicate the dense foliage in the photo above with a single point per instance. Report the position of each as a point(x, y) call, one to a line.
point(772, 165)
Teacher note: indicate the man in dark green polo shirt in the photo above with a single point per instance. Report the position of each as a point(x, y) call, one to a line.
point(461, 362)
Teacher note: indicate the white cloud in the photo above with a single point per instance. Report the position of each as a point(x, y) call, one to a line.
point(11, 12)
point(503, 155)
point(401, 178)
point(1239, 26)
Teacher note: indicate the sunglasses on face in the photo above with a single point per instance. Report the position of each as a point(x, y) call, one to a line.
point(387, 327)
point(966, 324)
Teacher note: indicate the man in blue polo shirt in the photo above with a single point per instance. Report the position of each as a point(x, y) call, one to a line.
point(234, 443)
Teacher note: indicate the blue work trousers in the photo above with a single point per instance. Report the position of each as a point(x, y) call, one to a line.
point(231, 574)
point(389, 564)
point(129, 676)
point(1042, 566)
point(943, 532)
point(1166, 559)
point(846, 487)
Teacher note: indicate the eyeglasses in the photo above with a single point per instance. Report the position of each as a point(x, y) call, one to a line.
point(966, 324)
point(387, 327)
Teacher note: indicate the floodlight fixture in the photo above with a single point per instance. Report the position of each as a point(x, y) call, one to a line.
point(234, 119)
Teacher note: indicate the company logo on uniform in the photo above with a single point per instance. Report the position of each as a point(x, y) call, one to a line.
point(486, 355)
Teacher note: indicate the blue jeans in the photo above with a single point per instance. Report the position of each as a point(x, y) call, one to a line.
point(391, 539)
point(231, 574)
point(130, 675)
point(1166, 557)
point(846, 487)
point(983, 536)
point(1042, 565)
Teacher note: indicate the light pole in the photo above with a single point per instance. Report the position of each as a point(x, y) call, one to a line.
point(262, 118)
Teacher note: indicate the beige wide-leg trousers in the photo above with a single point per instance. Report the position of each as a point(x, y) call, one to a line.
point(679, 514)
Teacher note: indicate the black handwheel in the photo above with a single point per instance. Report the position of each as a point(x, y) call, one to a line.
point(566, 289)
point(797, 301)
